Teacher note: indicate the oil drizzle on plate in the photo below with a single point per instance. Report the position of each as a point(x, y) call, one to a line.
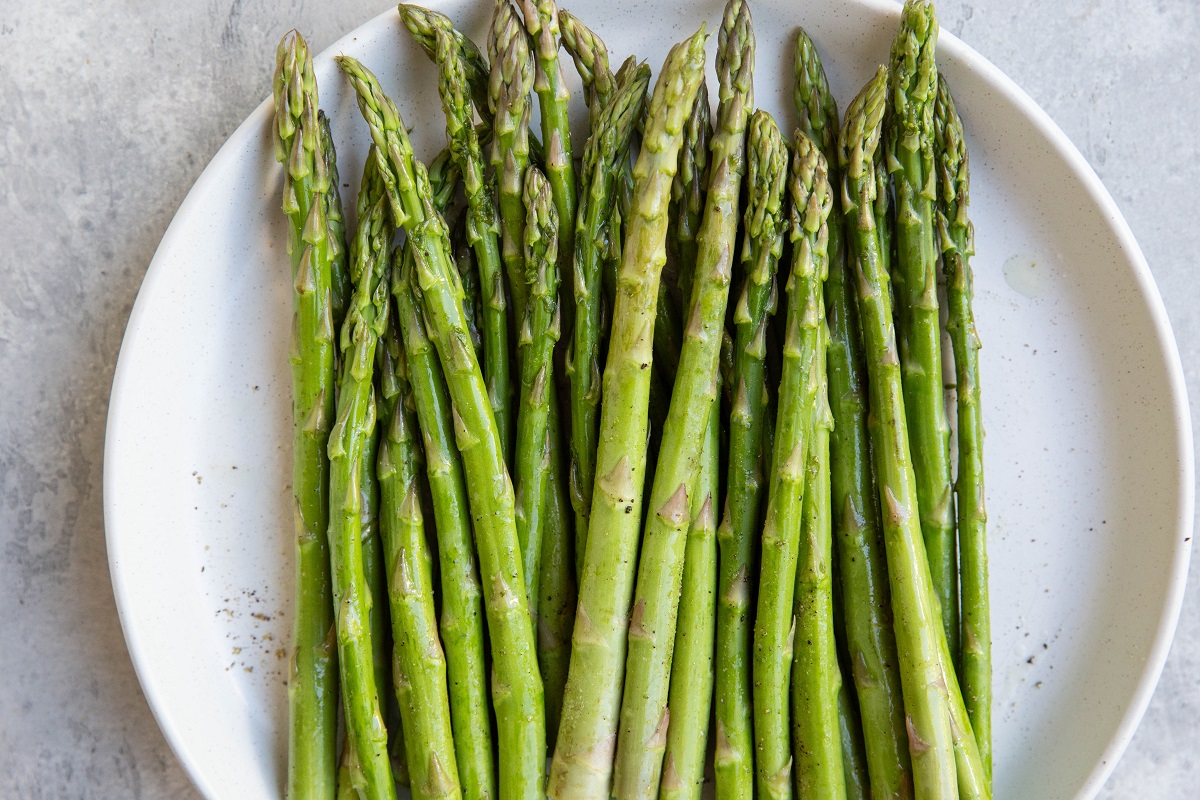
point(1026, 276)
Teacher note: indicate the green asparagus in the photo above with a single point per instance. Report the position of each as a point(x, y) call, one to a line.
point(909, 143)
point(558, 591)
point(605, 148)
point(816, 675)
point(483, 230)
point(854, 751)
point(336, 225)
point(866, 612)
point(366, 318)
point(424, 24)
point(517, 686)
point(914, 606)
point(590, 55)
point(811, 198)
point(461, 623)
point(761, 249)
point(958, 245)
point(421, 687)
point(369, 244)
point(689, 191)
point(312, 679)
point(510, 83)
point(691, 692)
point(582, 764)
point(539, 332)
point(644, 718)
point(468, 273)
point(541, 20)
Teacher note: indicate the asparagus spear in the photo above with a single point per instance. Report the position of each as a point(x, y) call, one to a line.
point(482, 229)
point(468, 273)
point(539, 332)
point(424, 25)
point(763, 244)
point(517, 687)
point(688, 193)
point(816, 676)
point(909, 143)
point(808, 187)
point(312, 679)
point(511, 81)
point(558, 590)
point(421, 687)
point(582, 761)
point(914, 607)
point(854, 751)
point(335, 223)
point(691, 693)
point(461, 623)
point(660, 569)
point(590, 55)
point(541, 20)
point(390, 373)
point(364, 248)
point(958, 245)
point(866, 611)
point(366, 316)
point(607, 146)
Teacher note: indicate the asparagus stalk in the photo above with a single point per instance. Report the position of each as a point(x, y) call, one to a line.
point(854, 751)
point(774, 628)
point(582, 764)
point(366, 319)
point(761, 249)
point(421, 685)
point(511, 81)
point(816, 676)
point(482, 229)
point(607, 146)
point(461, 622)
point(558, 590)
point(590, 55)
point(691, 692)
point(424, 25)
point(689, 191)
point(364, 248)
point(862, 563)
point(312, 679)
point(517, 686)
point(468, 273)
point(335, 223)
point(958, 245)
point(390, 374)
point(539, 332)
point(914, 606)
point(554, 98)
point(909, 144)
point(644, 716)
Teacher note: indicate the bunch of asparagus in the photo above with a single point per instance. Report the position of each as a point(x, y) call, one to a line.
point(575, 480)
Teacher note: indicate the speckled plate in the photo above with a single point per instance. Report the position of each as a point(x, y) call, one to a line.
point(1089, 448)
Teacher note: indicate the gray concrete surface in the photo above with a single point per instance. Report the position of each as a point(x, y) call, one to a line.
point(111, 108)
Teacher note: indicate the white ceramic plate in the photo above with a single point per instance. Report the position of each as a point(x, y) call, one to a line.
point(1090, 483)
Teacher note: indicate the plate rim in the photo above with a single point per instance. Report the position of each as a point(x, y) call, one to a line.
point(972, 60)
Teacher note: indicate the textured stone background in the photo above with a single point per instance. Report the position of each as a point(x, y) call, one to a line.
point(110, 110)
